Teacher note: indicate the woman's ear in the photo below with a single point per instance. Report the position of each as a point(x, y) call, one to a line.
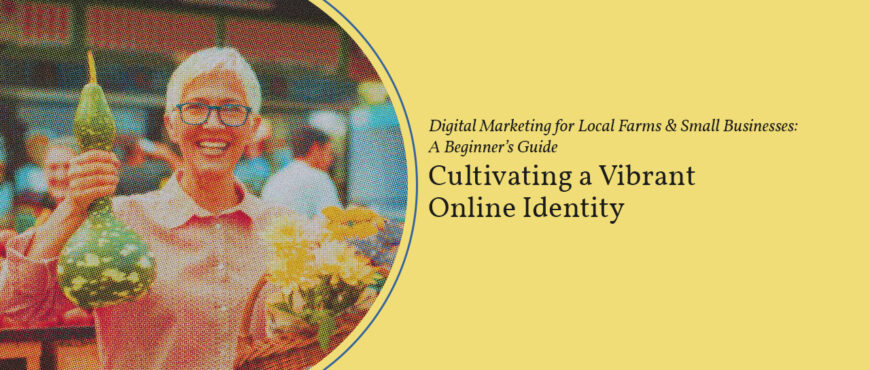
point(171, 130)
point(255, 123)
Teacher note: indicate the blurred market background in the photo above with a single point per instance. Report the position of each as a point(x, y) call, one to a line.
point(311, 73)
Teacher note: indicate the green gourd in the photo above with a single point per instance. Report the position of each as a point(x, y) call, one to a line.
point(105, 262)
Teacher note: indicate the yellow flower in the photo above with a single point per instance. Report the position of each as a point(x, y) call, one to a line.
point(292, 238)
point(354, 222)
point(334, 214)
point(360, 214)
point(295, 230)
point(308, 251)
point(364, 230)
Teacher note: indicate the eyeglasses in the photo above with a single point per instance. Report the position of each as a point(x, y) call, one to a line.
point(233, 115)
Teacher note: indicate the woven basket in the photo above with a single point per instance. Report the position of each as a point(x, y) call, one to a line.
point(299, 350)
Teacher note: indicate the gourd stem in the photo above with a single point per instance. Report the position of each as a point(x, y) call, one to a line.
point(92, 67)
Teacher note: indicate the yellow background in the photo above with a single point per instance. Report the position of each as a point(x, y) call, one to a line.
point(762, 265)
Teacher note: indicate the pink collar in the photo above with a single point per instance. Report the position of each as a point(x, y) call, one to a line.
point(172, 207)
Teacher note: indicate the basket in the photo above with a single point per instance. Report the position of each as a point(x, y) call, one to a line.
point(299, 350)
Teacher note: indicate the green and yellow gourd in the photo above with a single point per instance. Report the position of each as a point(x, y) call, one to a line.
point(105, 262)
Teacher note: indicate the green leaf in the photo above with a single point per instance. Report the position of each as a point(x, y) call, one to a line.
point(325, 331)
point(283, 307)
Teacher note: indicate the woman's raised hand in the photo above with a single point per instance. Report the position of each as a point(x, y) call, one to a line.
point(92, 175)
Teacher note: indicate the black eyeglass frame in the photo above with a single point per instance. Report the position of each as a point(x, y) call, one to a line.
point(214, 107)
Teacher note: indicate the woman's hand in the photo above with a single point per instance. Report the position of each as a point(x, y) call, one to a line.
point(92, 175)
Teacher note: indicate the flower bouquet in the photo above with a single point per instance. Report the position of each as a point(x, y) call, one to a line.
point(320, 274)
point(328, 271)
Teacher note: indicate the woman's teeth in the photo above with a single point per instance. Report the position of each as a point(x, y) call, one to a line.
point(212, 144)
point(213, 147)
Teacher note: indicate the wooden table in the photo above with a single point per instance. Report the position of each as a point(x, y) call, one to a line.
point(51, 348)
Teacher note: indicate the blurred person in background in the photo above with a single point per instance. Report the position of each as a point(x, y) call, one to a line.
point(283, 156)
point(255, 167)
point(29, 180)
point(304, 186)
point(6, 208)
point(6, 212)
point(7, 194)
point(145, 164)
point(55, 166)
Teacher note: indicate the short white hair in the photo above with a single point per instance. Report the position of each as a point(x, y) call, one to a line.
point(208, 60)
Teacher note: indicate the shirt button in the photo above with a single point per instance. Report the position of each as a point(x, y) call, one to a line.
point(221, 266)
point(223, 352)
point(217, 226)
point(224, 308)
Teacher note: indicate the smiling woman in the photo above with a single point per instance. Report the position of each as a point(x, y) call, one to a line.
point(212, 144)
point(202, 227)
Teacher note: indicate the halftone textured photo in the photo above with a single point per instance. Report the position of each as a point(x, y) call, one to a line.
point(223, 184)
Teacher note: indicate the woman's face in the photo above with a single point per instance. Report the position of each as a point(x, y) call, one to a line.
point(212, 148)
point(56, 166)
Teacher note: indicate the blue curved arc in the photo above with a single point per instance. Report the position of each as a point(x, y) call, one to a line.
point(416, 185)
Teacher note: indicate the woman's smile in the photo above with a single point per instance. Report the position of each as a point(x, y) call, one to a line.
point(211, 147)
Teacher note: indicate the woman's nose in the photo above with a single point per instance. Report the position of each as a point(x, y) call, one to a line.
point(213, 121)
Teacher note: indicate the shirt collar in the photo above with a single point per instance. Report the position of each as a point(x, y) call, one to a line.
point(174, 207)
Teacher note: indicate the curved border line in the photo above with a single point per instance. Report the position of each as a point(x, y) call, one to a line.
point(416, 184)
